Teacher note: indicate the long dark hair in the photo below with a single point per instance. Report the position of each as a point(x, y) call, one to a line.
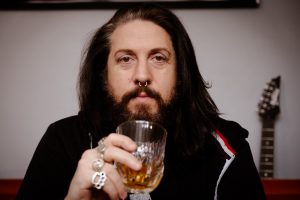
point(196, 110)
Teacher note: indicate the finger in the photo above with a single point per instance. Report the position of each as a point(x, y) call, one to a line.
point(121, 141)
point(115, 179)
point(90, 155)
point(116, 149)
point(113, 185)
point(110, 190)
point(109, 186)
point(116, 154)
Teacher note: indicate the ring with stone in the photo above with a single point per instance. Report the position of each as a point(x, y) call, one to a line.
point(98, 179)
point(101, 148)
point(97, 165)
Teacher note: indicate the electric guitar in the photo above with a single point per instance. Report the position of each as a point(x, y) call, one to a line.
point(268, 110)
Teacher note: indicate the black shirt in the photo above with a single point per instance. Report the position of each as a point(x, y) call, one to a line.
point(55, 160)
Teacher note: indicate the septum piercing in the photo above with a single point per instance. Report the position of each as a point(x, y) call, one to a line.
point(144, 85)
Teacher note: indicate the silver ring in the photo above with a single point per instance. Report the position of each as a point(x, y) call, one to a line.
point(101, 148)
point(97, 165)
point(98, 179)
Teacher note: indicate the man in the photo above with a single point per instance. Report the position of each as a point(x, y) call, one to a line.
point(141, 65)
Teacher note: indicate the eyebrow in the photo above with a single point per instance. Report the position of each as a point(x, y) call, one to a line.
point(129, 51)
point(155, 50)
point(160, 49)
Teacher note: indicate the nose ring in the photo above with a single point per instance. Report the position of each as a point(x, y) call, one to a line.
point(144, 85)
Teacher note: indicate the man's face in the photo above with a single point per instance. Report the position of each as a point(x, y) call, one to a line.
point(141, 51)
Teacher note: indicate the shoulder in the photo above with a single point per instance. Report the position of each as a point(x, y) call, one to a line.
point(231, 128)
point(64, 128)
point(66, 122)
point(67, 134)
point(232, 131)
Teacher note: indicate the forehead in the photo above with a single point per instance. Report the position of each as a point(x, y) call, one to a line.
point(140, 34)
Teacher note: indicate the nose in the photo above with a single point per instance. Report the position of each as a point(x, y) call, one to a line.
point(142, 74)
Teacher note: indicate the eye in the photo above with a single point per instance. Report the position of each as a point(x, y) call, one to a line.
point(159, 58)
point(126, 59)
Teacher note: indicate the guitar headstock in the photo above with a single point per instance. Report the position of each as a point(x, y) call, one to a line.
point(268, 107)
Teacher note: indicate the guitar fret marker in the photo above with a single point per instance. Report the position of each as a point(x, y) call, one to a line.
point(267, 147)
point(267, 171)
point(268, 129)
point(266, 163)
point(267, 155)
point(268, 138)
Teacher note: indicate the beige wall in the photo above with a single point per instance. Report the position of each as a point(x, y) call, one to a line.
point(238, 51)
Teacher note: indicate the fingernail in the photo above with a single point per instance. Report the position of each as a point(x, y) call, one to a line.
point(138, 166)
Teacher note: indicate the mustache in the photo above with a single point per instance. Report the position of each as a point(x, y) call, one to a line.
point(135, 92)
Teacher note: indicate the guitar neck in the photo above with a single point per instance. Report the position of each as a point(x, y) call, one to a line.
point(267, 149)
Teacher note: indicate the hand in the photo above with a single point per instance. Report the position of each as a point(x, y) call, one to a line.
point(117, 148)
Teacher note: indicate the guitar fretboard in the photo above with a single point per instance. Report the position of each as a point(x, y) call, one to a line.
point(267, 149)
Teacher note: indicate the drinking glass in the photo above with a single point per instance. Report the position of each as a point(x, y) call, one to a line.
point(150, 138)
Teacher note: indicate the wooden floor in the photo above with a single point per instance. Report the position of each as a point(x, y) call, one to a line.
point(276, 189)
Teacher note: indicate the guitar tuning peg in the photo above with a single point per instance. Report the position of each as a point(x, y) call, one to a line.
point(273, 83)
point(262, 99)
point(266, 88)
point(264, 105)
point(258, 106)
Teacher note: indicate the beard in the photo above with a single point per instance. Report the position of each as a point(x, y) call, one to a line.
point(119, 111)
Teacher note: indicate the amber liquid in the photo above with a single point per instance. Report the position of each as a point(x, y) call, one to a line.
point(144, 180)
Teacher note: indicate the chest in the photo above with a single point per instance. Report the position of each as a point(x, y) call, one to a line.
point(191, 178)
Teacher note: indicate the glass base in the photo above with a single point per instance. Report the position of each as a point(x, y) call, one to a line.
point(139, 196)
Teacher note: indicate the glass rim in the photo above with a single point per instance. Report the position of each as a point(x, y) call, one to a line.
point(143, 121)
